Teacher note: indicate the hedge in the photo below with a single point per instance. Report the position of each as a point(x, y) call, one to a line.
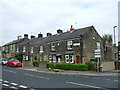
point(67, 66)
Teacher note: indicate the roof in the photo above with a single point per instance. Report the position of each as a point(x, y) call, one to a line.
point(63, 36)
point(14, 41)
point(25, 42)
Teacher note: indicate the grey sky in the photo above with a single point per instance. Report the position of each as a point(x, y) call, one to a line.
point(18, 17)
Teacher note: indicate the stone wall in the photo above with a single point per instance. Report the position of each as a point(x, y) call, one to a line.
point(108, 66)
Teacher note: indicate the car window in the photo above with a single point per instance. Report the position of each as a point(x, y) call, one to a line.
point(15, 60)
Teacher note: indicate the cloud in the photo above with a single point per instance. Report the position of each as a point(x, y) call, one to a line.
point(35, 16)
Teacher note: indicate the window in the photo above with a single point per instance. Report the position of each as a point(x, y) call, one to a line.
point(69, 58)
point(52, 46)
point(17, 49)
point(98, 45)
point(69, 45)
point(54, 59)
point(24, 48)
point(3, 48)
point(31, 49)
point(11, 47)
point(24, 57)
point(41, 49)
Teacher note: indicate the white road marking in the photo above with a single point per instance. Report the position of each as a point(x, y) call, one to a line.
point(107, 79)
point(22, 86)
point(6, 81)
point(13, 87)
point(14, 84)
point(1, 80)
point(116, 80)
point(37, 76)
point(12, 71)
point(83, 85)
point(5, 85)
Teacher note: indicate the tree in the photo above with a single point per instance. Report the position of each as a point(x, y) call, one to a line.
point(108, 38)
point(19, 57)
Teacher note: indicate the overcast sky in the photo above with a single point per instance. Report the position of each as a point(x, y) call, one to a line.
point(18, 17)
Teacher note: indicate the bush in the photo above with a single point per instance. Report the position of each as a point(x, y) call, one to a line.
point(91, 65)
point(35, 63)
point(67, 66)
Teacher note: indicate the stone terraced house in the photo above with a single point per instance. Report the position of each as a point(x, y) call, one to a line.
point(74, 46)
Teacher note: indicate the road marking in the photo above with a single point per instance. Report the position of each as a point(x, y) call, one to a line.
point(37, 76)
point(1, 80)
point(22, 86)
point(13, 87)
point(83, 85)
point(14, 84)
point(116, 80)
point(107, 79)
point(6, 81)
point(12, 71)
point(5, 85)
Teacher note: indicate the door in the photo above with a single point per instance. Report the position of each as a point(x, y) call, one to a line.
point(77, 61)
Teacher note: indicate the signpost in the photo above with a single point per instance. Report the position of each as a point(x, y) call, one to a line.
point(98, 56)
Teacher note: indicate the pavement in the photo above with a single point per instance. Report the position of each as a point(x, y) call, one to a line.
point(70, 72)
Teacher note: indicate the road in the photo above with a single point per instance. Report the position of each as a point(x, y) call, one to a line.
point(17, 78)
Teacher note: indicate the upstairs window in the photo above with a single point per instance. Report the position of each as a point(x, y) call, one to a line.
point(41, 49)
point(24, 48)
point(11, 47)
point(31, 49)
point(52, 46)
point(17, 49)
point(69, 45)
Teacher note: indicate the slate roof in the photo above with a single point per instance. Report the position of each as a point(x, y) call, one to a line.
point(25, 42)
point(14, 41)
point(63, 36)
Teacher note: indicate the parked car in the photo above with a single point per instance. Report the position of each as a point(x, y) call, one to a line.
point(14, 63)
point(4, 61)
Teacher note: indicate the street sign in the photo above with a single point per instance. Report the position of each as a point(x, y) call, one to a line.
point(97, 56)
point(97, 50)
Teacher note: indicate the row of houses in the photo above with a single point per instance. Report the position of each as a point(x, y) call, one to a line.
point(73, 46)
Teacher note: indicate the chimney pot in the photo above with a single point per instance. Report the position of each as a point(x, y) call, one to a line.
point(59, 31)
point(40, 35)
point(25, 35)
point(32, 36)
point(71, 29)
point(49, 34)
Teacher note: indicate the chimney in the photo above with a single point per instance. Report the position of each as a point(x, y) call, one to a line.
point(49, 34)
point(71, 29)
point(59, 31)
point(32, 36)
point(25, 35)
point(18, 37)
point(40, 35)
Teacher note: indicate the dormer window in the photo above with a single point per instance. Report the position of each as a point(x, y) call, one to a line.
point(52, 46)
point(70, 45)
point(24, 48)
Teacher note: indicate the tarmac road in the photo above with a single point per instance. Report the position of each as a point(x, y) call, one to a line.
point(18, 78)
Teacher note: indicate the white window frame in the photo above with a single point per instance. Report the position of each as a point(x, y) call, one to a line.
point(69, 44)
point(71, 59)
point(17, 49)
point(54, 58)
point(24, 49)
point(11, 47)
point(24, 57)
point(67, 58)
point(52, 46)
point(41, 49)
point(32, 49)
point(98, 45)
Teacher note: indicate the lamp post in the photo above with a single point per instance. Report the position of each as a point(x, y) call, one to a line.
point(114, 35)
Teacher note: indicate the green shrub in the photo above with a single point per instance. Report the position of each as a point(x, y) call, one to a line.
point(67, 66)
point(91, 65)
